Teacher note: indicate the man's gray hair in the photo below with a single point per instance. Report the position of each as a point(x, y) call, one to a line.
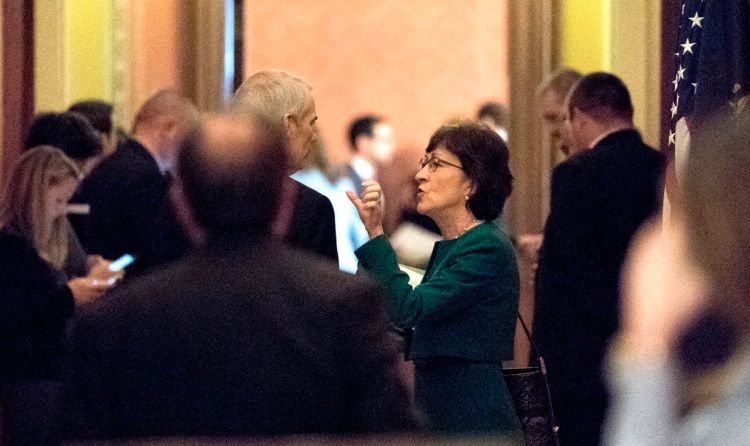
point(272, 94)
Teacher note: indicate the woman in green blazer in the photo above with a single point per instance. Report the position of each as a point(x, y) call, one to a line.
point(463, 314)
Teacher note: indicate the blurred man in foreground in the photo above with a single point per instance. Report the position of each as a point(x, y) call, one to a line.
point(235, 339)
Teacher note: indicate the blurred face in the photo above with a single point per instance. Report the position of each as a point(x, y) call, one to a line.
point(553, 116)
point(442, 187)
point(301, 132)
point(56, 198)
point(383, 142)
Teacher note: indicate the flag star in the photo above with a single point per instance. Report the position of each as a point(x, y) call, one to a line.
point(673, 109)
point(687, 47)
point(671, 138)
point(695, 87)
point(696, 20)
point(676, 82)
point(681, 73)
point(683, 9)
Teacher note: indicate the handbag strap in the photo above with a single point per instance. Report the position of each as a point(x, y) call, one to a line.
point(534, 350)
point(543, 369)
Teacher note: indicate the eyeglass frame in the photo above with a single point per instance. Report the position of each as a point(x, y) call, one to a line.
point(425, 161)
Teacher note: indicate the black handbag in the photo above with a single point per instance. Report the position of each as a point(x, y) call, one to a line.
point(530, 393)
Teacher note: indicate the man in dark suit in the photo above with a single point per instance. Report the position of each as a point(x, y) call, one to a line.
point(243, 337)
point(599, 199)
point(128, 192)
point(306, 219)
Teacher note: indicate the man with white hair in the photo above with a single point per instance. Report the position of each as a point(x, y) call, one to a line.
point(305, 219)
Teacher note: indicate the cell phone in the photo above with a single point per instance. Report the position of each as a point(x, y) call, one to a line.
point(121, 262)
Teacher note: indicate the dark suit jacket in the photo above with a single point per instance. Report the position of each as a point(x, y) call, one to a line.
point(599, 199)
point(313, 224)
point(130, 210)
point(243, 338)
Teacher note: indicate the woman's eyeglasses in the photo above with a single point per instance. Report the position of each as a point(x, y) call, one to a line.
point(434, 162)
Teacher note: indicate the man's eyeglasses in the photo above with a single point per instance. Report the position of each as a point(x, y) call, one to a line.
point(434, 162)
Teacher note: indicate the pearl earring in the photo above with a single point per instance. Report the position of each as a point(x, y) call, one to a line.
point(466, 197)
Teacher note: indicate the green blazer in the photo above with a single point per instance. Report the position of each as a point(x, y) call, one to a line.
point(467, 302)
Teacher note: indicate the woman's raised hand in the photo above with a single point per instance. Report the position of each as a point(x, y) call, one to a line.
point(370, 207)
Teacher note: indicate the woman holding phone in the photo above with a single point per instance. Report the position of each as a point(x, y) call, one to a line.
point(37, 299)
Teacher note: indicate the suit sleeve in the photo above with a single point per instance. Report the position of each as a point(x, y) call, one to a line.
point(450, 291)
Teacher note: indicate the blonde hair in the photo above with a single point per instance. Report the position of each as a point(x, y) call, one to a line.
point(23, 207)
point(272, 94)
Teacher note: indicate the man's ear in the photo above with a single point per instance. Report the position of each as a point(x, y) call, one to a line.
point(288, 121)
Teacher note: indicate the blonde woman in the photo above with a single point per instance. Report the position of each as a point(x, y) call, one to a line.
point(36, 299)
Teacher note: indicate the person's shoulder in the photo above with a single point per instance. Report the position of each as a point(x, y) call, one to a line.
point(116, 170)
point(307, 265)
point(654, 155)
point(487, 235)
point(13, 246)
point(573, 167)
point(309, 195)
point(9, 239)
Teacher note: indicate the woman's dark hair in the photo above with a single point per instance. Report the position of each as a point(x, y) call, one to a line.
point(69, 132)
point(484, 157)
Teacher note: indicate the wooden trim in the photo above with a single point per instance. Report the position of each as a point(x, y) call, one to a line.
point(532, 53)
point(202, 53)
point(18, 77)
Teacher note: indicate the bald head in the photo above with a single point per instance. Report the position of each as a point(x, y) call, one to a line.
point(231, 170)
point(162, 122)
point(165, 103)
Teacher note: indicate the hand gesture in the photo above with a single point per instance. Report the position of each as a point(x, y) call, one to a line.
point(369, 207)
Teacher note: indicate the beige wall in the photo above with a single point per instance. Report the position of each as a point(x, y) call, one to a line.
point(153, 61)
point(418, 62)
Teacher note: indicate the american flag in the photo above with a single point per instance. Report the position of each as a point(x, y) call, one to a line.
point(713, 70)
